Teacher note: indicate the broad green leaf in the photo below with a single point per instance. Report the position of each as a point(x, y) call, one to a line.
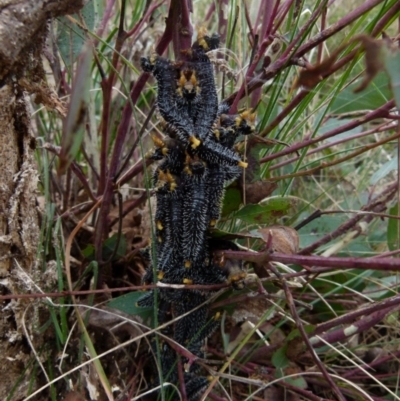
point(268, 211)
point(391, 62)
point(110, 244)
point(70, 38)
point(383, 287)
point(393, 230)
point(388, 167)
point(297, 382)
point(279, 358)
point(334, 123)
point(232, 200)
point(127, 303)
point(375, 95)
point(296, 333)
point(108, 248)
point(317, 228)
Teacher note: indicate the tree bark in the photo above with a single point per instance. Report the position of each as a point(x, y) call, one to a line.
point(23, 29)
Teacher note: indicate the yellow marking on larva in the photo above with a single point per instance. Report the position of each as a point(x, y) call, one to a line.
point(217, 316)
point(217, 133)
point(194, 141)
point(148, 154)
point(238, 120)
point(159, 239)
point(160, 275)
point(188, 264)
point(157, 141)
point(243, 164)
point(213, 222)
point(187, 281)
point(164, 151)
point(161, 175)
point(159, 225)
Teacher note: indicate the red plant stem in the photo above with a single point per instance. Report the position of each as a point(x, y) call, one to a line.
point(381, 112)
point(358, 327)
point(332, 262)
point(104, 21)
point(133, 204)
point(284, 60)
point(144, 19)
point(107, 85)
point(210, 11)
point(281, 14)
point(338, 26)
point(182, 31)
point(351, 317)
point(381, 128)
point(223, 7)
point(75, 168)
point(311, 20)
point(379, 361)
point(134, 171)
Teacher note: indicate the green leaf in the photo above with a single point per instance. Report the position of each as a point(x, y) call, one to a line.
point(74, 124)
point(127, 303)
point(279, 358)
point(391, 61)
point(110, 244)
point(299, 382)
point(393, 230)
point(387, 168)
point(296, 333)
point(334, 123)
point(375, 95)
point(70, 38)
point(267, 212)
point(232, 200)
point(108, 248)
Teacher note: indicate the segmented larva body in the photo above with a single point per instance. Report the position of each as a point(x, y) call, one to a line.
point(197, 159)
point(195, 212)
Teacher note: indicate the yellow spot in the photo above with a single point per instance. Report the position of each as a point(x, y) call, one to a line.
point(234, 277)
point(187, 281)
point(217, 316)
point(213, 222)
point(188, 264)
point(159, 239)
point(159, 225)
point(160, 275)
point(157, 141)
point(194, 141)
point(238, 120)
point(243, 164)
point(217, 133)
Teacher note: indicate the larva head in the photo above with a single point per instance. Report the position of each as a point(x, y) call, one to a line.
point(188, 86)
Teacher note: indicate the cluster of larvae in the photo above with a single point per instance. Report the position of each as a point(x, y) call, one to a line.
point(197, 159)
